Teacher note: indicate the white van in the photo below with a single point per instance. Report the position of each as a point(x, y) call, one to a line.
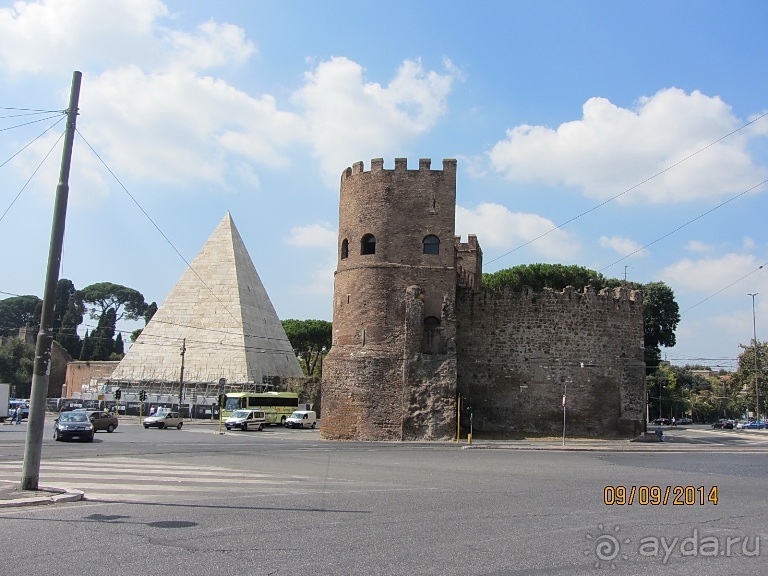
point(245, 419)
point(301, 419)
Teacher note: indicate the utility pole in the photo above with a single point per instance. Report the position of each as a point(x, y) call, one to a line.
point(30, 473)
point(754, 351)
point(181, 376)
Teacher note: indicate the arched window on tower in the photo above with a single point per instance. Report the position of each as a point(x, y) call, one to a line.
point(368, 244)
point(431, 244)
point(344, 248)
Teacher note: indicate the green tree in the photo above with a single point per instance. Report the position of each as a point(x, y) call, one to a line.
point(126, 303)
point(86, 352)
point(103, 336)
point(119, 350)
point(69, 312)
point(149, 312)
point(19, 311)
point(65, 289)
point(540, 276)
point(661, 315)
point(311, 340)
point(745, 377)
point(16, 363)
point(109, 303)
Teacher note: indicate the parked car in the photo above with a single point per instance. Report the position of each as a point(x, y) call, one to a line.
point(102, 420)
point(661, 421)
point(752, 425)
point(719, 423)
point(245, 419)
point(729, 424)
point(70, 425)
point(301, 419)
point(164, 420)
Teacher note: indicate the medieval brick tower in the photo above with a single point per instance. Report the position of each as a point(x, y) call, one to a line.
point(391, 371)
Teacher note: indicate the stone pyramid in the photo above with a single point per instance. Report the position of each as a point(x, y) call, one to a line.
point(220, 309)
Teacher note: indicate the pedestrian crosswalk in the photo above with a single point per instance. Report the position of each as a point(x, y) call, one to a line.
point(725, 438)
point(131, 479)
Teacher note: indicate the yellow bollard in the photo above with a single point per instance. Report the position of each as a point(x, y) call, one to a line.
point(469, 438)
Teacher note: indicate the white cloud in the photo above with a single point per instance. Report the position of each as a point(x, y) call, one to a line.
point(698, 246)
point(612, 149)
point(747, 243)
point(177, 127)
point(622, 246)
point(55, 35)
point(41, 162)
point(214, 45)
point(322, 236)
point(349, 119)
point(498, 228)
point(149, 112)
point(712, 275)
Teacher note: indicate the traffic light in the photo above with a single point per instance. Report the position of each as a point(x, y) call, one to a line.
point(118, 393)
point(222, 400)
point(143, 395)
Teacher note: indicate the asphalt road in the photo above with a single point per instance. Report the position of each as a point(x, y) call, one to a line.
point(193, 502)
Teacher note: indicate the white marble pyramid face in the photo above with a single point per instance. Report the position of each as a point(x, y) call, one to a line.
point(221, 312)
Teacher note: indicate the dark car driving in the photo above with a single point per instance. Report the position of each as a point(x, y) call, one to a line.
point(71, 425)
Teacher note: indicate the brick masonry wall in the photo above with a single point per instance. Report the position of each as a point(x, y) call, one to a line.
point(517, 352)
point(377, 383)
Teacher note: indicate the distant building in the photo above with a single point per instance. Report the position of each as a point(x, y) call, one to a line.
point(87, 377)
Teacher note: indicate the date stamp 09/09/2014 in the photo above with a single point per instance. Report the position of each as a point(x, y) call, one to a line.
point(646, 495)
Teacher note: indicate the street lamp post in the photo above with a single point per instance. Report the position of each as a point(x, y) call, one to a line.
point(754, 351)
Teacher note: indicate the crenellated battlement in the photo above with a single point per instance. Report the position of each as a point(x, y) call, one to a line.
point(401, 166)
point(610, 296)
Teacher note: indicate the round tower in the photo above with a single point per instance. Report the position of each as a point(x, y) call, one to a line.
point(391, 371)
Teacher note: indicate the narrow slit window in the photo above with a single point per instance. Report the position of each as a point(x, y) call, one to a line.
point(344, 249)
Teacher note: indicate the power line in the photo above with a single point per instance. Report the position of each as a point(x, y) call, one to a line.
point(699, 217)
point(601, 204)
point(28, 144)
point(34, 110)
point(27, 123)
point(32, 176)
point(158, 228)
point(724, 289)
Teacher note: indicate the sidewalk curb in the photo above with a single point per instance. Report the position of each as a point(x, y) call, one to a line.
point(667, 448)
point(56, 496)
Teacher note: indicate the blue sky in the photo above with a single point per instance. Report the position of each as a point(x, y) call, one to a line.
point(551, 108)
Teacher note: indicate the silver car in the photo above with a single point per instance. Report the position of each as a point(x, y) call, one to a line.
point(164, 420)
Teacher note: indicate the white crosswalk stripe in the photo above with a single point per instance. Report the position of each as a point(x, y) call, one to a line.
point(744, 438)
point(133, 480)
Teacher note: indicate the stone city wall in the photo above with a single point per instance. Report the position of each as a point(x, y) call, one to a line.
point(517, 352)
